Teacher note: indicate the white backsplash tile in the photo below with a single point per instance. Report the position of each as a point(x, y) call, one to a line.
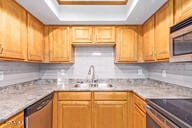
point(177, 73)
point(104, 65)
point(17, 72)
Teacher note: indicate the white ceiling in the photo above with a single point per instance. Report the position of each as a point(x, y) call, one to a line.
point(50, 12)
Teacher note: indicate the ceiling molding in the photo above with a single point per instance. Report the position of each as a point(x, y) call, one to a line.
point(91, 2)
point(49, 12)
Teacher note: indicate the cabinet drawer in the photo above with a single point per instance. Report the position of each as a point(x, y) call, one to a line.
point(74, 95)
point(110, 95)
point(139, 102)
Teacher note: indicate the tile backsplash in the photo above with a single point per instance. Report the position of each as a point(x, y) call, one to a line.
point(17, 72)
point(176, 73)
point(103, 60)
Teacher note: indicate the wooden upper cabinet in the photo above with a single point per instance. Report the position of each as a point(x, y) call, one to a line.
point(60, 46)
point(126, 44)
point(13, 30)
point(140, 44)
point(183, 9)
point(74, 114)
point(104, 34)
point(93, 35)
point(110, 114)
point(35, 39)
point(81, 34)
point(149, 40)
point(163, 21)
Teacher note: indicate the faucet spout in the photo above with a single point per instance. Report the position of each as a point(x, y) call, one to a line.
point(91, 73)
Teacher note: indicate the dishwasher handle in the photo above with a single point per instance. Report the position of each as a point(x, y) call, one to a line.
point(38, 105)
point(42, 105)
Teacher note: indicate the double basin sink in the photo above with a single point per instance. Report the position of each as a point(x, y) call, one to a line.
point(93, 85)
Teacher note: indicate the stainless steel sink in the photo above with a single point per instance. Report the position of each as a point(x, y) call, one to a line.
point(95, 85)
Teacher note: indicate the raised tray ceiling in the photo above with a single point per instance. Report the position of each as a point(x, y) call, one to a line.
point(92, 2)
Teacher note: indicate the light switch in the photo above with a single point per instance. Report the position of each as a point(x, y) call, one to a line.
point(1, 75)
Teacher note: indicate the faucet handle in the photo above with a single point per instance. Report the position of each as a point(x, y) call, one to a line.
point(95, 81)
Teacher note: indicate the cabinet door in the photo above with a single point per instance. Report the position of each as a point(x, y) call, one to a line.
point(149, 40)
point(110, 114)
point(60, 47)
point(81, 34)
point(3, 125)
point(183, 9)
point(35, 39)
point(74, 114)
point(164, 20)
point(126, 44)
point(139, 118)
point(13, 30)
point(16, 121)
point(140, 44)
point(104, 34)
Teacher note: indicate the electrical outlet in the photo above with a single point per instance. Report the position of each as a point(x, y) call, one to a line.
point(164, 73)
point(1, 75)
point(140, 72)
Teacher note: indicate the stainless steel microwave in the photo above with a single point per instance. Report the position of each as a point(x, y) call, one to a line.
point(181, 41)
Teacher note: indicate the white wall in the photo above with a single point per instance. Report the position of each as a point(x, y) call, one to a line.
point(18, 72)
point(104, 65)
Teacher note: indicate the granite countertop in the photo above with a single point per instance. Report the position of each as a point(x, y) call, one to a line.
point(16, 98)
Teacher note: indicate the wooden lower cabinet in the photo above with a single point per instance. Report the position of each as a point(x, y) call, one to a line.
point(91, 111)
point(16, 121)
point(139, 118)
point(74, 114)
point(98, 110)
point(139, 112)
point(110, 114)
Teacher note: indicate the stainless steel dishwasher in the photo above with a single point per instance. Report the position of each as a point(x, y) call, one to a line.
point(39, 115)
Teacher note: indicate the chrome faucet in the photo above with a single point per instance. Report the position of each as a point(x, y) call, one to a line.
point(91, 73)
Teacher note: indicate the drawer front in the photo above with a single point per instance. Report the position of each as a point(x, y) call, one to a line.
point(110, 96)
point(139, 102)
point(74, 95)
